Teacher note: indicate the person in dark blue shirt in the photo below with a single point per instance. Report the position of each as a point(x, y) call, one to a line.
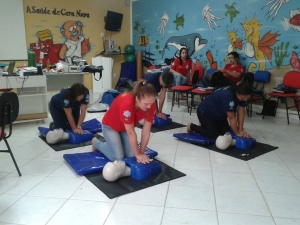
point(161, 81)
point(219, 108)
point(68, 108)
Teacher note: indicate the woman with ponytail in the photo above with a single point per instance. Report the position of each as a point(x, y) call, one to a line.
point(120, 120)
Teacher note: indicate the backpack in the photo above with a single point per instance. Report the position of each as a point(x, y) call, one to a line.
point(109, 96)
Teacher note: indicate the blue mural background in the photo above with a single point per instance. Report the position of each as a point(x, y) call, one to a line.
point(156, 21)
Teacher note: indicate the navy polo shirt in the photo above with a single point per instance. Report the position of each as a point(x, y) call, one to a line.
point(153, 78)
point(219, 103)
point(60, 102)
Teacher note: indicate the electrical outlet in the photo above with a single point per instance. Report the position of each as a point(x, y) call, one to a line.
point(102, 34)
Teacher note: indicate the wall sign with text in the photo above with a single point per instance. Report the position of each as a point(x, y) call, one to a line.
point(57, 12)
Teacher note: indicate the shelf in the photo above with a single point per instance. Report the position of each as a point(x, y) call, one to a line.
point(32, 95)
point(32, 116)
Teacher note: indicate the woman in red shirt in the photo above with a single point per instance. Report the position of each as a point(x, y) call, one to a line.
point(232, 72)
point(120, 120)
point(181, 67)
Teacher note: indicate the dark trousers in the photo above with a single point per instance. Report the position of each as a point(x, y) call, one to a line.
point(60, 118)
point(210, 128)
point(223, 81)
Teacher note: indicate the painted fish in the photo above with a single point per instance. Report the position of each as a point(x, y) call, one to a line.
point(294, 20)
point(295, 61)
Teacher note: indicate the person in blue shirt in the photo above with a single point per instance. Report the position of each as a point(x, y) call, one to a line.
point(161, 81)
point(68, 108)
point(225, 105)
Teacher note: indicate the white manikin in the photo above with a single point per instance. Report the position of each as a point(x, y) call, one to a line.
point(114, 170)
point(56, 135)
point(223, 142)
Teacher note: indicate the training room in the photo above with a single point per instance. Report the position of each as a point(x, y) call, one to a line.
point(128, 112)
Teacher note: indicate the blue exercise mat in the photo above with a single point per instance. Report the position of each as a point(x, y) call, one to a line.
point(194, 138)
point(92, 162)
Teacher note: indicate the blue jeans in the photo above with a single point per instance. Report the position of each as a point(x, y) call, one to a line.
point(117, 144)
point(179, 80)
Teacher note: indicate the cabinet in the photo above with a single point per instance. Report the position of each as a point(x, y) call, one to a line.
point(32, 93)
point(105, 83)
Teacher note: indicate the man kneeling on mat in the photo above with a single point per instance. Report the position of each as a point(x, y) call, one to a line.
point(221, 105)
point(161, 81)
point(120, 120)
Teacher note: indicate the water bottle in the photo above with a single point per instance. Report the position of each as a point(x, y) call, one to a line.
point(31, 58)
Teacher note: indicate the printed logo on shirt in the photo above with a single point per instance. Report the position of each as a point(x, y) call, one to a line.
point(87, 97)
point(66, 102)
point(231, 105)
point(126, 114)
point(187, 67)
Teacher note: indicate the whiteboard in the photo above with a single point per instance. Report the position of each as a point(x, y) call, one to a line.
point(12, 30)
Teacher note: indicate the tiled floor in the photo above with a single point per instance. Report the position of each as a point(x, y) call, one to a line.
point(218, 189)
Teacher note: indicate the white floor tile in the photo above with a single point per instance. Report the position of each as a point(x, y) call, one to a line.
point(50, 154)
point(56, 187)
point(239, 219)
point(77, 212)
point(6, 200)
point(2, 175)
point(192, 162)
point(167, 159)
point(32, 210)
point(185, 197)
point(165, 149)
point(135, 215)
point(269, 168)
point(14, 184)
point(283, 205)
point(27, 152)
point(7, 165)
point(235, 181)
point(197, 178)
point(152, 196)
point(284, 221)
point(278, 184)
point(242, 202)
point(40, 167)
point(174, 216)
point(89, 192)
point(65, 171)
point(230, 165)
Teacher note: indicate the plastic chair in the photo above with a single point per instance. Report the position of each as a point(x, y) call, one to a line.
point(290, 80)
point(184, 89)
point(9, 110)
point(260, 79)
point(208, 72)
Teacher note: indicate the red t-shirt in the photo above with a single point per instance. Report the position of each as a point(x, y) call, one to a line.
point(237, 69)
point(122, 111)
point(184, 69)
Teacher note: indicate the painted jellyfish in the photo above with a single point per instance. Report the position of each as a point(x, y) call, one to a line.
point(275, 7)
point(209, 17)
point(162, 27)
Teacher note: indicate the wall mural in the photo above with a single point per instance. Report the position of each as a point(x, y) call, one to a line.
point(265, 33)
point(75, 44)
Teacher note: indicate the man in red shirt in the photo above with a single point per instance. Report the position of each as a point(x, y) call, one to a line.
point(120, 120)
point(232, 72)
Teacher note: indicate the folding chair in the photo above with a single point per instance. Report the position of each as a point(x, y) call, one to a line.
point(9, 110)
point(290, 80)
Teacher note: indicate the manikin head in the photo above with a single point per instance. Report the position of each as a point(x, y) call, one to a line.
point(56, 135)
point(223, 142)
point(114, 170)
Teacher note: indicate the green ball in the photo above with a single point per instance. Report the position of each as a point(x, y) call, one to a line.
point(129, 49)
point(130, 58)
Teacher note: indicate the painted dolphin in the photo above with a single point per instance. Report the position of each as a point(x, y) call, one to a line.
point(193, 42)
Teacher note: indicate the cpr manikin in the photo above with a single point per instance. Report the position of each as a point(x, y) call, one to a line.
point(223, 142)
point(56, 135)
point(114, 170)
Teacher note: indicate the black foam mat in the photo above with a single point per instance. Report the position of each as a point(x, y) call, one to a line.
point(64, 145)
point(258, 150)
point(171, 126)
point(126, 185)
